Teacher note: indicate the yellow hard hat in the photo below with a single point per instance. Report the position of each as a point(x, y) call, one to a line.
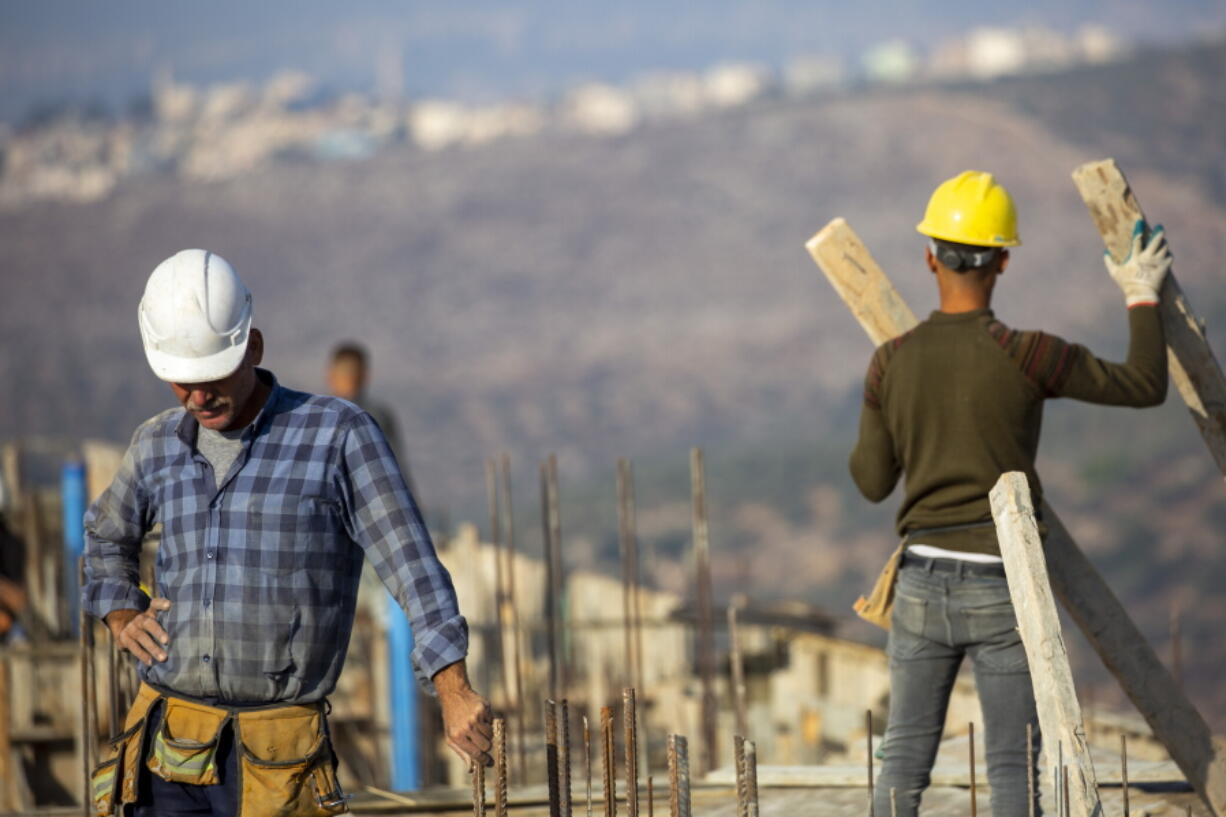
point(971, 208)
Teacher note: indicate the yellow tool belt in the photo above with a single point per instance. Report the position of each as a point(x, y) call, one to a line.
point(285, 762)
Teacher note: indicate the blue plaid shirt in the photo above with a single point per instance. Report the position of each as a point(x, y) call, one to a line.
point(261, 565)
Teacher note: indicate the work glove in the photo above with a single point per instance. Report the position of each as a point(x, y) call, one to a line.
point(1142, 272)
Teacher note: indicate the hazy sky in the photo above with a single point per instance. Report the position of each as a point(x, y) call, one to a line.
point(54, 50)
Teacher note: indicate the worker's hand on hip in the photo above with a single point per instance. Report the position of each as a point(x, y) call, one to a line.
point(467, 720)
point(139, 633)
point(1141, 274)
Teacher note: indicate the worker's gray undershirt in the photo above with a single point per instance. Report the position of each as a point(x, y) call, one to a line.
point(220, 448)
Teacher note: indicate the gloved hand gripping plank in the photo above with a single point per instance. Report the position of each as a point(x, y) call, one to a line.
point(1194, 369)
point(883, 314)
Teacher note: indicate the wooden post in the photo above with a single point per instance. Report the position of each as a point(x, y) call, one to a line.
point(706, 638)
point(1055, 696)
point(1079, 586)
point(1194, 368)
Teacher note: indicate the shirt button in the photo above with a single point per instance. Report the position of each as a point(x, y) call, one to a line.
point(207, 602)
point(206, 659)
point(209, 554)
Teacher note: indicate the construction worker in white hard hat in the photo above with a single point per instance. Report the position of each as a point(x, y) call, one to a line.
point(949, 407)
point(270, 500)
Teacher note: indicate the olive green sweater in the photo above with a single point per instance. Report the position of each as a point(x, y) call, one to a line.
point(958, 401)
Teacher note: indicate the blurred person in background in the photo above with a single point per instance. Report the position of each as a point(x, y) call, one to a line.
point(348, 377)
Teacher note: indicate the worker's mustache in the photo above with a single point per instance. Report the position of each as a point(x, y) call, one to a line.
point(212, 405)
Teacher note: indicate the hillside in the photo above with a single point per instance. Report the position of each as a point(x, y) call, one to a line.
point(638, 295)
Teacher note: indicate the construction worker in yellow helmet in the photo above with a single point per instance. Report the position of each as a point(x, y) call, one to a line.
point(949, 407)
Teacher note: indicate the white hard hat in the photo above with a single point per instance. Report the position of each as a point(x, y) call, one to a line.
point(195, 318)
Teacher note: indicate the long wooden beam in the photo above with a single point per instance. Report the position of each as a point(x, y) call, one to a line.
point(1091, 602)
point(1055, 696)
point(1194, 368)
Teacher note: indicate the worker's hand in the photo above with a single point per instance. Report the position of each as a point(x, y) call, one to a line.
point(466, 715)
point(1141, 274)
point(140, 633)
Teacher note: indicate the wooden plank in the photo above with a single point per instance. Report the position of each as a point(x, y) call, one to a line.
point(1172, 718)
point(1055, 696)
point(1194, 368)
point(1079, 586)
point(860, 282)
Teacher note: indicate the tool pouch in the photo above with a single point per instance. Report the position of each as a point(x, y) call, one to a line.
point(113, 783)
point(185, 745)
point(877, 607)
point(287, 764)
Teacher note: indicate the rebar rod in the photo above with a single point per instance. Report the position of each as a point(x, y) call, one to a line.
point(564, 756)
point(513, 611)
point(607, 761)
point(678, 776)
point(706, 639)
point(630, 724)
point(751, 776)
point(551, 758)
point(738, 670)
point(500, 767)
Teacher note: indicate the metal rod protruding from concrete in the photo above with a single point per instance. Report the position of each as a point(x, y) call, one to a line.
point(630, 723)
point(551, 601)
point(1030, 792)
point(737, 663)
point(607, 761)
point(508, 528)
point(1124, 771)
point(893, 802)
point(1064, 786)
point(500, 767)
point(587, 762)
point(678, 777)
point(559, 575)
point(551, 758)
point(706, 637)
point(751, 776)
point(89, 722)
point(742, 786)
point(868, 736)
point(971, 757)
point(564, 756)
point(477, 769)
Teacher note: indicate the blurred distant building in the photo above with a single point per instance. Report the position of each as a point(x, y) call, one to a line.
point(891, 61)
point(598, 108)
point(727, 86)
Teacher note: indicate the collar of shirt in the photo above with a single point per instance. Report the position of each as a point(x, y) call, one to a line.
point(189, 427)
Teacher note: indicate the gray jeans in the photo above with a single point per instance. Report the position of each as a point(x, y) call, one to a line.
point(938, 618)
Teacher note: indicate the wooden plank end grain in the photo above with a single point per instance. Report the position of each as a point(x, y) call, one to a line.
point(860, 282)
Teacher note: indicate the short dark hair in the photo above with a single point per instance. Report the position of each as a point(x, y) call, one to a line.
point(963, 257)
point(350, 350)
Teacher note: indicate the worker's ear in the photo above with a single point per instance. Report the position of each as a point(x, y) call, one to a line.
point(930, 259)
point(255, 347)
point(1004, 262)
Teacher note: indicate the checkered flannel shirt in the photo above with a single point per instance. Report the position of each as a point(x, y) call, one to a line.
point(262, 565)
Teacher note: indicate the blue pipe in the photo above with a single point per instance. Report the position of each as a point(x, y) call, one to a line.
point(72, 505)
point(402, 686)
